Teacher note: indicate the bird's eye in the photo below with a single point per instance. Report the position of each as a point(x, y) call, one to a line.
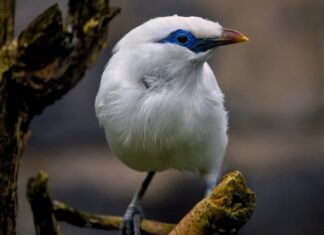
point(182, 39)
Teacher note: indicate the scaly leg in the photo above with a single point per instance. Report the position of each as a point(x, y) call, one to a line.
point(134, 213)
point(211, 182)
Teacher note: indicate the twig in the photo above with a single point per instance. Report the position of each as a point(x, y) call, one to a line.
point(41, 204)
point(84, 219)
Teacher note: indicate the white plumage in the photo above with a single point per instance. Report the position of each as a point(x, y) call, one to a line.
point(160, 104)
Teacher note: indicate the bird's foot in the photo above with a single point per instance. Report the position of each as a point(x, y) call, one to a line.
point(131, 224)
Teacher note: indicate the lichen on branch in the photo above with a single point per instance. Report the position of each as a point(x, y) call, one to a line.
point(7, 13)
point(224, 211)
point(41, 205)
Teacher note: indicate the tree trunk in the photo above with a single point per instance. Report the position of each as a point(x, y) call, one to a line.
point(11, 134)
point(13, 127)
point(37, 68)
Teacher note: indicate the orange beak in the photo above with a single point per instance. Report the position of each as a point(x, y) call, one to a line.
point(230, 36)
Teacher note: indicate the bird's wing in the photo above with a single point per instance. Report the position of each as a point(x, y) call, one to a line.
point(210, 85)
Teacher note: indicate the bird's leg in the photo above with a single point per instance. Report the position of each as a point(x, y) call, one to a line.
point(211, 182)
point(209, 187)
point(133, 215)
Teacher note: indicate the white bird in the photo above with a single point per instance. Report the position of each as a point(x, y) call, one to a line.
point(160, 104)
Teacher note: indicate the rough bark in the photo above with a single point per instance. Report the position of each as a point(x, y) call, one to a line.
point(225, 211)
point(7, 13)
point(42, 206)
point(38, 67)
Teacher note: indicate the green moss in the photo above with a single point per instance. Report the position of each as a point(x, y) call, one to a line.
point(37, 184)
point(92, 23)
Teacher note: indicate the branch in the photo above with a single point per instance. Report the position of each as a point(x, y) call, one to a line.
point(63, 52)
point(225, 211)
point(41, 204)
point(84, 219)
point(46, 212)
point(7, 18)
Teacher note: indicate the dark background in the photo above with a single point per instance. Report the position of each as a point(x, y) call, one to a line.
point(274, 93)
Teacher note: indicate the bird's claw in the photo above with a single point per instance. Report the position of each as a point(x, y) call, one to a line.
point(132, 221)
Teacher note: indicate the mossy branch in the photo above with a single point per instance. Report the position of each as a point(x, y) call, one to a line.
point(225, 211)
point(63, 53)
point(78, 218)
point(7, 20)
point(41, 205)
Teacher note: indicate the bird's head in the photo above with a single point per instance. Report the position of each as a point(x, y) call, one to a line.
point(178, 38)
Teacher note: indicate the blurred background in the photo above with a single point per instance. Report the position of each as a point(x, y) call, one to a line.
point(274, 87)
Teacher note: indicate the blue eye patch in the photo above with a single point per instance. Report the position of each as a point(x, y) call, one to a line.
point(187, 39)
